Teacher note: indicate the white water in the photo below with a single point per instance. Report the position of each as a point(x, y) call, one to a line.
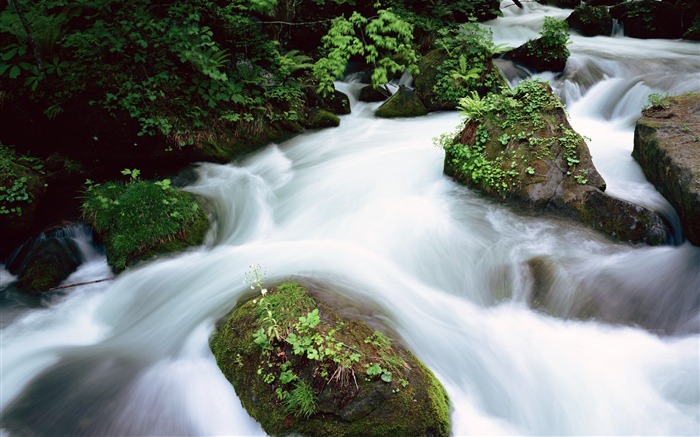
point(365, 208)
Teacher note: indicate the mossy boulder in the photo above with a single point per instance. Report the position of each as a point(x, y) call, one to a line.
point(519, 146)
point(404, 103)
point(546, 53)
point(538, 56)
point(649, 19)
point(303, 369)
point(667, 147)
point(143, 219)
point(591, 20)
point(320, 118)
point(44, 262)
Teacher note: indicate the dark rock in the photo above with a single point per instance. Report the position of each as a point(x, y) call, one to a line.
point(693, 32)
point(529, 154)
point(649, 19)
point(46, 262)
point(346, 400)
point(667, 147)
point(404, 103)
point(338, 103)
point(538, 56)
point(426, 79)
point(369, 94)
point(591, 20)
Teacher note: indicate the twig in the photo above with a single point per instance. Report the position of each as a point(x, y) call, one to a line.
point(80, 283)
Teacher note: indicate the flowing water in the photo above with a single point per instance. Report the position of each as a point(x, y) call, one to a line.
point(606, 344)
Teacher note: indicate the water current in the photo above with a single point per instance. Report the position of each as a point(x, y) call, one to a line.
point(608, 344)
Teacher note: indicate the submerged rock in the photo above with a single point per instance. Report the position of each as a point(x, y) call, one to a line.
point(300, 368)
point(44, 262)
point(519, 146)
point(667, 147)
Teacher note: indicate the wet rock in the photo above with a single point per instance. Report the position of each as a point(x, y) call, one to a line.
point(404, 103)
point(591, 20)
point(344, 379)
point(524, 150)
point(667, 146)
point(369, 94)
point(649, 19)
point(45, 262)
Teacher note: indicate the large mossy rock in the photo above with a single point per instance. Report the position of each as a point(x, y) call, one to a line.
point(591, 20)
point(326, 374)
point(144, 219)
point(404, 103)
point(650, 19)
point(667, 146)
point(519, 146)
point(320, 118)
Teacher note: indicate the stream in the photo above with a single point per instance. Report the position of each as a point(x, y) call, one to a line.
point(365, 207)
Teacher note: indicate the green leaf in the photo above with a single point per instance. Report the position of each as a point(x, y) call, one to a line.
point(14, 72)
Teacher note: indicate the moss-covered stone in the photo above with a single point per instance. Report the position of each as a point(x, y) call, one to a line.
point(320, 118)
point(47, 262)
point(667, 147)
point(520, 146)
point(348, 401)
point(143, 219)
point(591, 20)
point(404, 103)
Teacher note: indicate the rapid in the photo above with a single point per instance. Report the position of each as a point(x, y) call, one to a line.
point(366, 208)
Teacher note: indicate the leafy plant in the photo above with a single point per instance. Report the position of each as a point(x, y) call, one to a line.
point(15, 174)
point(384, 42)
point(467, 67)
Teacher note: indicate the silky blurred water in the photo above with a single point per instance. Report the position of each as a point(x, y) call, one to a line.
point(365, 209)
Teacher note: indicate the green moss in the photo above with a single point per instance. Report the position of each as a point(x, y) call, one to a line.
point(353, 404)
point(404, 103)
point(320, 118)
point(142, 219)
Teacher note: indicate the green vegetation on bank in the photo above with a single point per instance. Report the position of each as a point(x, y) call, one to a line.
point(141, 219)
point(300, 368)
point(20, 181)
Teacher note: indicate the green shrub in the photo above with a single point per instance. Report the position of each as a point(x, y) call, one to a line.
point(18, 181)
point(384, 42)
point(182, 69)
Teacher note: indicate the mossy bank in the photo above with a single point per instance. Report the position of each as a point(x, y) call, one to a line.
point(300, 368)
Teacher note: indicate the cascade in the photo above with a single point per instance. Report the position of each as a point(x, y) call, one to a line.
point(365, 207)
